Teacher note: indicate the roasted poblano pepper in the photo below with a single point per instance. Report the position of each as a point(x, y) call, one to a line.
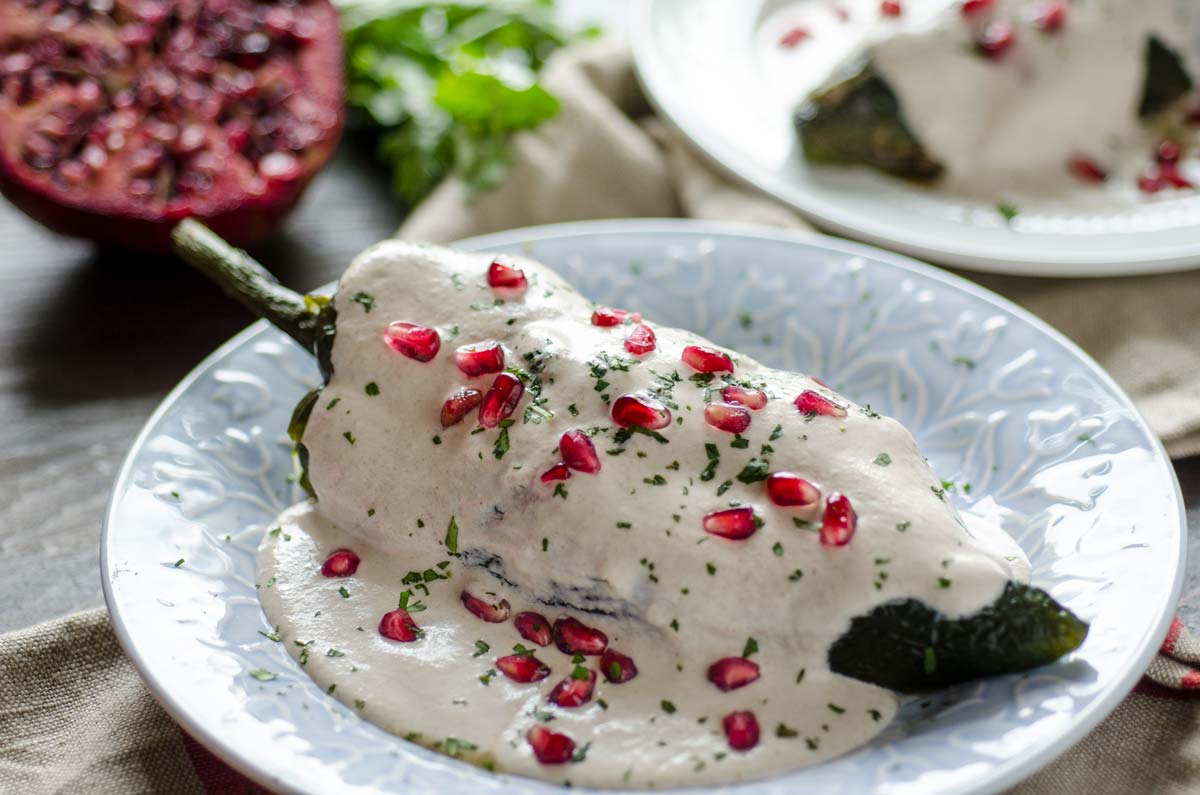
point(858, 120)
point(902, 645)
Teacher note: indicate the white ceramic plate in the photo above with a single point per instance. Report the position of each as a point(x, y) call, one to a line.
point(1054, 451)
point(716, 75)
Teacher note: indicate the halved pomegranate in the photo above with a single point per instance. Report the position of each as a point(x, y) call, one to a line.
point(550, 747)
point(501, 400)
point(413, 340)
point(572, 692)
point(559, 471)
point(533, 627)
point(503, 277)
point(727, 417)
point(461, 403)
point(741, 730)
point(119, 119)
point(340, 563)
point(640, 341)
point(572, 636)
point(491, 613)
point(815, 404)
point(753, 399)
point(840, 521)
point(641, 409)
point(730, 673)
point(617, 667)
point(787, 489)
point(706, 360)
point(398, 625)
point(481, 358)
point(578, 452)
point(523, 668)
point(735, 524)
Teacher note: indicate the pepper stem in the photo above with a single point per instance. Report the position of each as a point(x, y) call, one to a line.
point(246, 281)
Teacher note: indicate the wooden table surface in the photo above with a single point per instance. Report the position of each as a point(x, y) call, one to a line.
point(89, 344)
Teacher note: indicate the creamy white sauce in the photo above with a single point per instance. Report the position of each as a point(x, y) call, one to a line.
point(684, 598)
point(1007, 128)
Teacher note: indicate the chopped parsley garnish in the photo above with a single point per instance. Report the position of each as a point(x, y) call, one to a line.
point(710, 568)
point(329, 406)
point(883, 460)
point(903, 526)
point(178, 563)
point(560, 491)
point(335, 653)
point(783, 732)
point(714, 460)
point(750, 648)
point(304, 655)
point(668, 707)
point(270, 635)
point(262, 674)
point(372, 389)
point(777, 549)
point(481, 648)
point(1007, 211)
point(836, 709)
point(930, 661)
point(349, 437)
point(624, 525)
point(345, 594)
point(455, 747)
point(739, 442)
point(944, 582)
point(657, 480)
point(775, 434)
point(365, 299)
point(724, 487)
point(755, 470)
point(572, 410)
point(360, 704)
point(502, 444)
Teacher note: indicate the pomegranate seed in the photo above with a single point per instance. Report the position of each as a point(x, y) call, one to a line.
point(787, 489)
point(727, 417)
point(730, 673)
point(482, 358)
point(578, 452)
point(416, 342)
point(550, 747)
point(891, 8)
point(459, 404)
point(559, 471)
point(735, 524)
point(501, 400)
point(504, 277)
point(841, 13)
point(640, 341)
point(741, 730)
point(642, 410)
point(523, 668)
point(607, 316)
point(839, 522)
point(997, 39)
point(1151, 183)
point(340, 563)
point(617, 667)
point(753, 399)
point(493, 614)
point(814, 404)
point(574, 637)
point(398, 625)
point(1168, 151)
point(972, 7)
point(1086, 169)
point(706, 360)
point(1051, 16)
point(794, 37)
point(533, 627)
point(572, 692)
point(1170, 173)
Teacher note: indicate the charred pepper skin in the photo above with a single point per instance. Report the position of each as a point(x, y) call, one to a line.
point(908, 647)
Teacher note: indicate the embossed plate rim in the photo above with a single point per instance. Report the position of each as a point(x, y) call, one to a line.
point(1002, 775)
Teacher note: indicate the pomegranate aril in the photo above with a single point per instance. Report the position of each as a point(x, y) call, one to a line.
point(481, 358)
point(533, 627)
point(578, 452)
point(735, 524)
point(741, 730)
point(727, 417)
point(559, 471)
point(414, 341)
point(550, 747)
point(730, 673)
point(971, 8)
point(787, 489)
point(794, 37)
point(502, 276)
point(607, 316)
point(399, 625)
point(753, 399)
point(1151, 183)
point(640, 341)
point(706, 360)
point(1170, 174)
point(572, 636)
point(459, 405)
point(996, 39)
point(572, 692)
point(1168, 151)
point(340, 563)
point(523, 668)
point(839, 522)
point(1086, 169)
point(617, 667)
point(1051, 16)
point(891, 8)
point(501, 400)
point(813, 404)
point(642, 410)
point(491, 613)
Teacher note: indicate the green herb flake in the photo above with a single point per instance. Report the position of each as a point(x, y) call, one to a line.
point(667, 707)
point(372, 389)
point(349, 437)
point(750, 648)
point(775, 434)
point(837, 710)
point(366, 300)
point(777, 549)
point(178, 563)
point(345, 594)
point(784, 732)
point(883, 460)
point(481, 648)
point(1007, 211)
point(262, 674)
point(452, 536)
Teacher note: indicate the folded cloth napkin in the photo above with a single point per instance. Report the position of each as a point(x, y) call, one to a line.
point(76, 718)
